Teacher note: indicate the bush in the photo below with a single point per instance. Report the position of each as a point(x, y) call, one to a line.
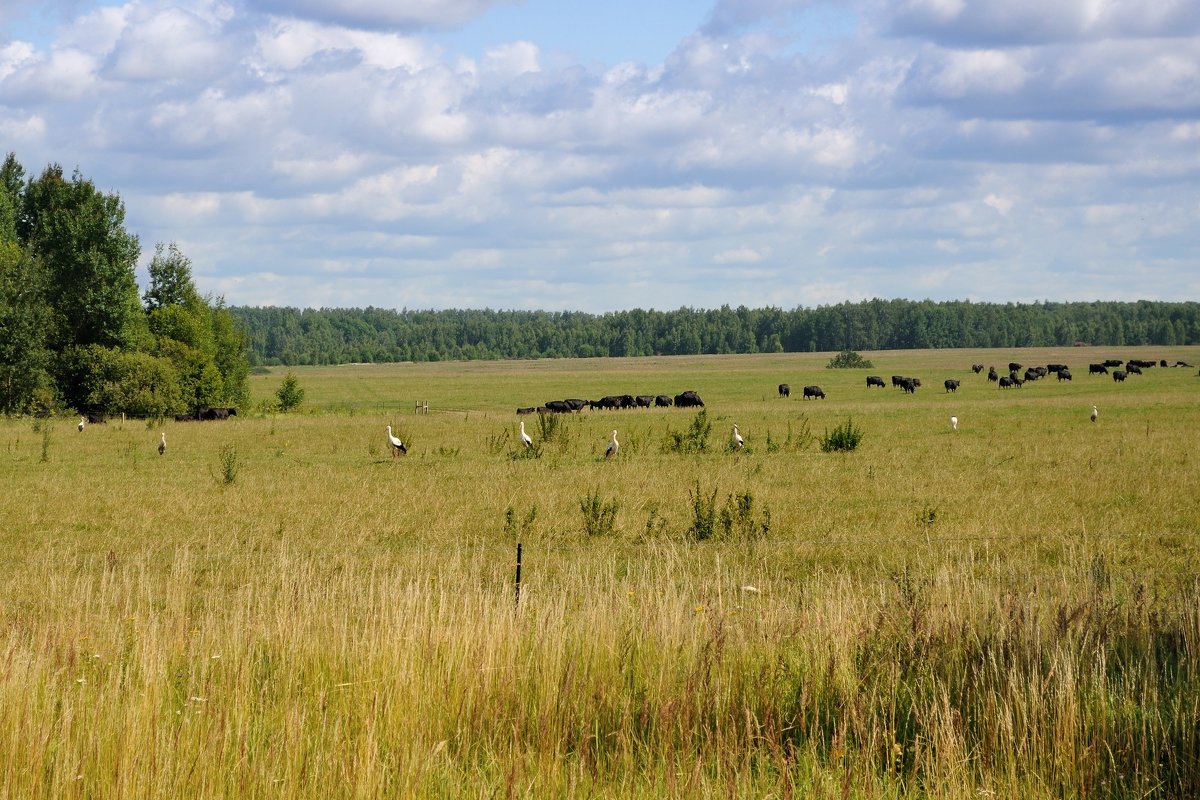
point(734, 520)
point(694, 440)
point(848, 359)
point(290, 394)
point(599, 517)
point(843, 438)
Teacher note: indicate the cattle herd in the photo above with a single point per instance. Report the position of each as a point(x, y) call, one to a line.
point(688, 399)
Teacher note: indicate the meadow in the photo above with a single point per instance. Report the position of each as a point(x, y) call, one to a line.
point(277, 607)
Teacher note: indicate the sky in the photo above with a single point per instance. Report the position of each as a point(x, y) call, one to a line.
point(583, 156)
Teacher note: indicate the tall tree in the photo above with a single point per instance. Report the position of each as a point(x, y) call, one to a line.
point(23, 315)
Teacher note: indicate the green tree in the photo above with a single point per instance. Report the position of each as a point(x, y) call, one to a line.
point(290, 394)
point(23, 315)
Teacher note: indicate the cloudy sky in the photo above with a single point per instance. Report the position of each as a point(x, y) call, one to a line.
point(570, 155)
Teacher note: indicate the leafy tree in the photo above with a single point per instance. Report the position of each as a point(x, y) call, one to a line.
point(290, 394)
point(23, 315)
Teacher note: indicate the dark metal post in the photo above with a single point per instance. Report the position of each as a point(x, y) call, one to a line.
point(517, 599)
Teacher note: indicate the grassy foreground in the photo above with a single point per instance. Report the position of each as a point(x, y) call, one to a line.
point(278, 608)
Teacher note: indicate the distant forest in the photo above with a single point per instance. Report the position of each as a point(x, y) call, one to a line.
point(290, 336)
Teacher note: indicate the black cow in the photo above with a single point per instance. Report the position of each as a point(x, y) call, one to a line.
point(1137, 362)
point(688, 399)
point(977, 368)
point(1056, 367)
point(1098, 369)
point(908, 385)
point(1182, 364)
point(992, 376)
point(95, 419)
point(1162, 363)
point(813, 391)
point(1118, 375)
point(526, 410)
point(1112, 362)
point(662, 401)
point(916, 382)
point(1006, 382)
point(575, 404)
point(1133, 369)
point(1031, 375)
point(643, 401)
point(1013, 366)
point(951, 385)
point(875, 380)
point(1064, 374)
point(557, 406)
point(210, 413)
point(785, 390)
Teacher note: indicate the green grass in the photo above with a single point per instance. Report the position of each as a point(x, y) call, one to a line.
point(1005, 610)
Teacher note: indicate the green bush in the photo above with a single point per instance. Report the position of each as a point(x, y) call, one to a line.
point(289, 394)
point(848, 359)
point(693, 440)
point(599, 517)
point(842, 439)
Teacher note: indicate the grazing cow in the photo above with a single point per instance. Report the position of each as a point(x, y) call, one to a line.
point(908, 386)
point(951, 385)
point(643, 401)
point(1013, 366)
point(526, 410)
point(785, 390)
point(1097, 369)
point(1118, 375)
point(1031, 375)
point(1162, 363)
point(1137, 362)
point(1056, 367)
point(813, 391)
point(916, 382)
point(897, 381)
point(977, 368)
point(1182, 364)
point(1041, 371)
point(992, 376)
point(95, 419)
point(208, 413)
point(557, 406)
point(662, 401)
point(1006, 382)
point(575, 404)
point(875, 380)
point(1064, 374)
point(1133, 369)
point(1112, 362)
point(688, 399)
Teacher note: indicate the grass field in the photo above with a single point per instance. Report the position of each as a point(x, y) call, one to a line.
point(278, 608)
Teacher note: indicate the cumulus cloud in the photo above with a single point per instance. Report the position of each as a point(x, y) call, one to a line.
point(337, 154)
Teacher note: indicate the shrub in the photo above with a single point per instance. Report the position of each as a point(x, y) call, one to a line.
point(289, 394)
point(843, 438)
point(229, 463)
point(737, 518)
point(848, 359)
point(694, 440)
point(704, 514)
point(599, 517)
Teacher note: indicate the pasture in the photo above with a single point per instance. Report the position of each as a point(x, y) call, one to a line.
point(278, 607)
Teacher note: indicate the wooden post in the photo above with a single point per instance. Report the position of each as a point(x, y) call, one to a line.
point(517, 598)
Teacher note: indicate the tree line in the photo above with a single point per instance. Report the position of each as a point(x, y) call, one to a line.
point(74, 332)
point(292, 336)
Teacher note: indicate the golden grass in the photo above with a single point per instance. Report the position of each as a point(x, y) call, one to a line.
point(1006, 610)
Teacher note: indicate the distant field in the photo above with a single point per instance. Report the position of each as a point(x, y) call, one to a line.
point(279, 608)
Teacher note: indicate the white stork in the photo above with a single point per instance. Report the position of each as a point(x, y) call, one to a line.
point(82, 423)
point(954, 423)
point(162, 443)
point(397, 445)
point(611, 450)
point(525, 437)
point(738, 441)
point(1095, 413)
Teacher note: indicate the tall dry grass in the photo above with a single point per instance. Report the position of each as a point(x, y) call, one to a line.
point(1006, 610)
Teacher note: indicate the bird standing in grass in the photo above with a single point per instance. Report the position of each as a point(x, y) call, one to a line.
point(397, 445)
point(82, 423)
point(162, 443)
point(1095, 413)
point(954, 423)
point(738, 441)
point(525, 440)
point(611, 450)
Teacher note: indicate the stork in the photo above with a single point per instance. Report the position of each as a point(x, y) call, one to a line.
point(954, 423)
point(397, 445)
point(738, 441)
point(525, 437)
point(1095, 413)
point(611, 450)
point(82, 423)
point(162, 443)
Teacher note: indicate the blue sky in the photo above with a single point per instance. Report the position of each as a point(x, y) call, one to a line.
point(587, 156)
